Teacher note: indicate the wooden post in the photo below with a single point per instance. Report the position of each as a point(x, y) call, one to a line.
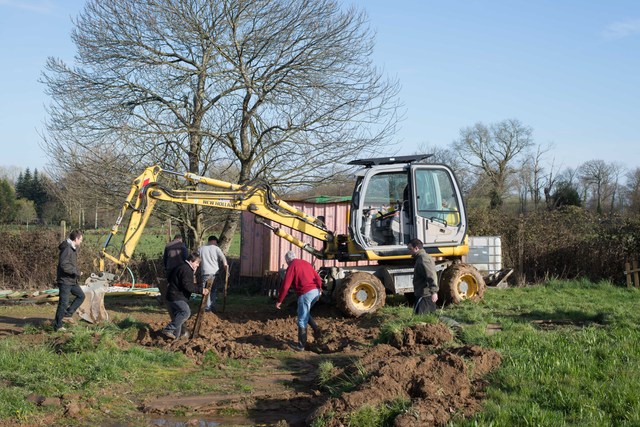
point(521, 275)
point(226, 286)
point(636, 279)
point(627, 272)
point(63, 229)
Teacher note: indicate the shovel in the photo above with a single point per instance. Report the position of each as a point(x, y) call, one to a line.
point(226, 285)
point(203, 302)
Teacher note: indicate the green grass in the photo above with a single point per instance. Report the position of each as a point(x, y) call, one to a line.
point(570, 349)
point(571, 354)
point(336, 382)
point(151, 244)
point(88, 361)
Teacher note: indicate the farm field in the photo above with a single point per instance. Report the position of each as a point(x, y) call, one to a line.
point(561, 353)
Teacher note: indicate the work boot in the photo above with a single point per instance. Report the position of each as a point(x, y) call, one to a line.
point(317, 332)
point(70, 320)
point(302, 339)
point(169, 334)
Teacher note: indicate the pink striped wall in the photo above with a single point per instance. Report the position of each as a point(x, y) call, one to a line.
point(263, 251)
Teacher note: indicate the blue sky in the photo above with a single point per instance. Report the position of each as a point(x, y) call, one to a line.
point(569, 69)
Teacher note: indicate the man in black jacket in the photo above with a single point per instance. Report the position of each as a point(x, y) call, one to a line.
point(175, 254)
point(67, 275)
point(182, 283)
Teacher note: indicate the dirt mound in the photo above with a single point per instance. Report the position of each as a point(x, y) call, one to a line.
point(420, 364)
point(242, 336)
point(438, 381)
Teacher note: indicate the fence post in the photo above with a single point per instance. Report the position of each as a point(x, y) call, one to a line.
point(521, 274)
point(627, 272)
point(63, 229)
point(636, 281)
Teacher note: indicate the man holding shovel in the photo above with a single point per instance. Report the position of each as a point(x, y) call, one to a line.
point(182, 283)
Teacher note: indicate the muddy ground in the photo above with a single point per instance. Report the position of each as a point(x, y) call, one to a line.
point(423, 364)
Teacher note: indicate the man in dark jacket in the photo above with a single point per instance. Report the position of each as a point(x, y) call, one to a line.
point(425, 278)
point(182, 283)
point(175, 254)
point(67, 275)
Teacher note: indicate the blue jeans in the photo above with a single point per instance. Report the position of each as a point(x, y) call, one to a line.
point(213, 292)
point(64, 309)
point(305, 302)
point(179, 312)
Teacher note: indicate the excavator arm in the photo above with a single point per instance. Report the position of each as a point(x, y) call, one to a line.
point(258, 199)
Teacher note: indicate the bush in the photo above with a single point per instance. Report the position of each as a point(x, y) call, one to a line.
point(567, 243)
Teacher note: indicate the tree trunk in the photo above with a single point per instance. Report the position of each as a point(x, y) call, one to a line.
point(231, 224)
point(228, 231)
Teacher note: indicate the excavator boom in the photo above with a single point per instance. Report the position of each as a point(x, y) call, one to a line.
point(258, 199)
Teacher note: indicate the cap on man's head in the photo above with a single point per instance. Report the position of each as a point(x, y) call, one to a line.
point(289, 256)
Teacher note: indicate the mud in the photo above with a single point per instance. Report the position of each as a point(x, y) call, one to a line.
point(420, 364)
point(248, 335)
point(417, 366)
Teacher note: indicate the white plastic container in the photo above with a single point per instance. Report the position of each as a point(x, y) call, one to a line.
point(485, 253)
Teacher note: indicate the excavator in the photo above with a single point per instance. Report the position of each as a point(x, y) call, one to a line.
point(395, 199)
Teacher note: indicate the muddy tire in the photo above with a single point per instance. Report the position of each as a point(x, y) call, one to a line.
point(360, 293)
point(460, 282)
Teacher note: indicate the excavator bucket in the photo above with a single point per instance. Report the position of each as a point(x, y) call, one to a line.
point(95, 287)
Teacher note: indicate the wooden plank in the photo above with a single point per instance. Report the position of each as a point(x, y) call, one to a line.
point(636, 279)
point(627, 272)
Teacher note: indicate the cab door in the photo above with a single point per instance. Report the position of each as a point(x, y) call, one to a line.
point(379, 220)
point(437, 207)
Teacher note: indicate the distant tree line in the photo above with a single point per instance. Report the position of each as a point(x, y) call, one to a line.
point(554, 222)
point(500, 166)
point(31, 199)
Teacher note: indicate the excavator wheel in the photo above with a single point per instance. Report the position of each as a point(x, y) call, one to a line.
point(360, 293)
point(460, 282)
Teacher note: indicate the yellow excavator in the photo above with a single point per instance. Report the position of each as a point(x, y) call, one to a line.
point(395, 199)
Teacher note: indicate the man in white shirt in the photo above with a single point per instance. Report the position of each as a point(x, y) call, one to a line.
point(212, 260)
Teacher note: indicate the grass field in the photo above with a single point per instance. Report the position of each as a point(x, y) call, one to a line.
point(571, 357)
point(571, 354)
point(151, 244)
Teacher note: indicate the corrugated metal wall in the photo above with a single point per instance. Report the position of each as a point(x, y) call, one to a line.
point(263, 251)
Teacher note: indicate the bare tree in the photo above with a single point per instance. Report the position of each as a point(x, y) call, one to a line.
point(279, 89)
point(492, 151)
point(11, 173)
point(448, 156)
point(632, 191)
point(600, 182)
point(614, 189)
point(533, 178)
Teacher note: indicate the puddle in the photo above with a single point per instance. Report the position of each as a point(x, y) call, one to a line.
point(173, 422)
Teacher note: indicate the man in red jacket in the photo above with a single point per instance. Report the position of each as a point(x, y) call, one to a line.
point(307, 285)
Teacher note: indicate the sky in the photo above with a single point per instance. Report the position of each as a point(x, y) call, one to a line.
point(569, 69)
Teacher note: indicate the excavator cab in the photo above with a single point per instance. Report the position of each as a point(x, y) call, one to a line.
point(398, 199)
